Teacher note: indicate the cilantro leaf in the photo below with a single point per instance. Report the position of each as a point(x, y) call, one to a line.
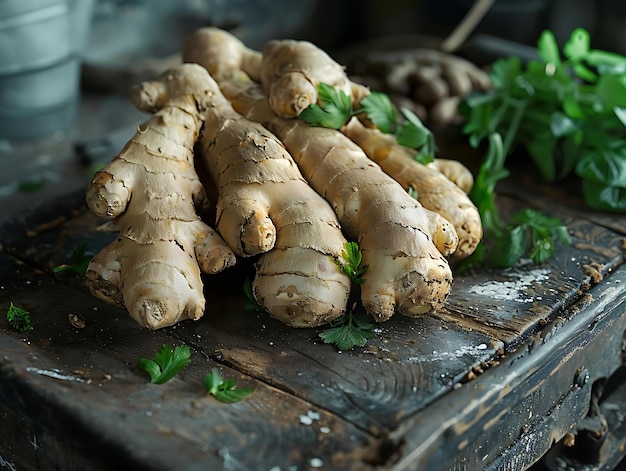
point(167, 362)
point(566, 110)
point(79, 260)
point(19, 318)
point(334, 110)
point(349, 331)
point(351, 265)
point(381, 111)
point(224, 390)
point(252, 304)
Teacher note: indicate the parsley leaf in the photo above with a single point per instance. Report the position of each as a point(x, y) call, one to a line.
point(252, 304)
point(334, 110)
point(167, 362)
point(19, 318)
point(351, 265)
point(566, 110)
point(79, 260)
point(349, 331)
point(224, 390)
point(381, 111)
point(528, 232)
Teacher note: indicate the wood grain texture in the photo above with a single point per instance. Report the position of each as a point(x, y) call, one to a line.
point(426, 391)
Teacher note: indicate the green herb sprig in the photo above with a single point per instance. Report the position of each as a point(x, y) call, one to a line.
point(527, 233)
point(567, 110)
point(224, 390)
point(336, 108)
point(168, 361)
point(351, 266)
point(349, 331)
point(19, 318)
point(252, 304)
point(78, 262)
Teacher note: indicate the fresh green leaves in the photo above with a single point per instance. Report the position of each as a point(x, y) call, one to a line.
point(224, 390)
point(351, 265)
point(349, 331)
point(336, 108)
point(334, 111)
point(381, 111)
point(252, 304)
point(167, 362)
point(513, 242)
point(567, 110)
point(19, 318)
point(79, 260)
point(528, 233)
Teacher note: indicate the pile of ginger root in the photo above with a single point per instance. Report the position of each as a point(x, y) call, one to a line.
point(288, 195)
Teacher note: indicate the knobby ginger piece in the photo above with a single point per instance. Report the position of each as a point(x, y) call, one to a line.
point(264, 198)
point(434, 191)
point(403, 243)
point(150, 192)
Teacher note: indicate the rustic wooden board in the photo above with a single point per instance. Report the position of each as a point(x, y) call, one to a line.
point(375, 404)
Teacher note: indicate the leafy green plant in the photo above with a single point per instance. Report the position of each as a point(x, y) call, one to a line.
point(568, 111)
point(252, 304)
point(19, 318)
point(168, 361)
point(336, 108)
point(224, 390)
point(351, 266)
point(349, 331)
point(527, 233)
point(79, 260)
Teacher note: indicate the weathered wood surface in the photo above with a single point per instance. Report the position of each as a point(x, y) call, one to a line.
point(447, 391)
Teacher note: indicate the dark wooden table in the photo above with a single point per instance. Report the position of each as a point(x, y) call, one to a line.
point(520, 363)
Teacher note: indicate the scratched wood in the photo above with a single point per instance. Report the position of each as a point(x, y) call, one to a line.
point(83, 385)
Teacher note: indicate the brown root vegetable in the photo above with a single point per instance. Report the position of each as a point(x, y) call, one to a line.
point(263, 197)
point(434, 191)
point(291, 72)
point(435, 79)
point(403, 243)
point(454, 171)
point(151, 191)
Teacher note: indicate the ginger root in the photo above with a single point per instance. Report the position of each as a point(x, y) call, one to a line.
point(434, 190)
point(403, 243)
point(266, 207)
point(150, 192)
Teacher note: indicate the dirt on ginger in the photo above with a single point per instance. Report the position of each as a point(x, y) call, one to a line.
point(150, 191)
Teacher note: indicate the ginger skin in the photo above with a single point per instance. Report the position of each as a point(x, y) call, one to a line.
point(290, 72)
point(266, 207)
point(150, 192)
point(403, 243)
point(435, 192)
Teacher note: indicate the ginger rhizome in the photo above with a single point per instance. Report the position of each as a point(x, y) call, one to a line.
point(150, 191)
point(403, 243)
point(434, 190)
point(266, 207)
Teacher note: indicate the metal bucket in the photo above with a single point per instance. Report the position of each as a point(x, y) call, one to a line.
point(40, 47)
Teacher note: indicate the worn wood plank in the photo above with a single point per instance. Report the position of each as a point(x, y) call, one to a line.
point(380, 402)
point(408, 365)
point(82, 385)
point(508, 417)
